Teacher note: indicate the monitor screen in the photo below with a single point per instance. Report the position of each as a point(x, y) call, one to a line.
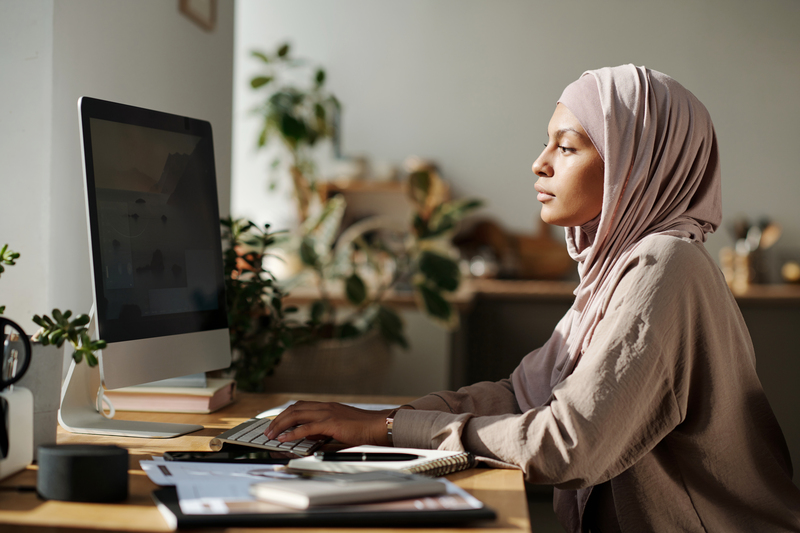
point(154, 231)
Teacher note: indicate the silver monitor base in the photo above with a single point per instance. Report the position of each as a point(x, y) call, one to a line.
point(79, 414)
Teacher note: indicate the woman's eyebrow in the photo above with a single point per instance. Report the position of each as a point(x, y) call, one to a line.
point(560, 133)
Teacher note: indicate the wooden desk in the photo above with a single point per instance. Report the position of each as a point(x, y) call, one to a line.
point(502, 490)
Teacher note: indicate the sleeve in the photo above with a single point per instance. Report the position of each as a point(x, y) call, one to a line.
point(614, 408)
point(484, 398)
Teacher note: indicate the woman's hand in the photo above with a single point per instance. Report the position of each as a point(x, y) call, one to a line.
point(346, 424)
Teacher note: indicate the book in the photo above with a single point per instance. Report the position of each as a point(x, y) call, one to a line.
point(336, 489)
point(217, 394)
point(434, 463)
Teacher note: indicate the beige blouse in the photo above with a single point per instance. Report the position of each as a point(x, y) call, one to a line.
point(664, 413)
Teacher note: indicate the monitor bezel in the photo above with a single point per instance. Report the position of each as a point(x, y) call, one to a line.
point(162, 325)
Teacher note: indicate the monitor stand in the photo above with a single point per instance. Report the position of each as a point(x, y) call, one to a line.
point(79, 411)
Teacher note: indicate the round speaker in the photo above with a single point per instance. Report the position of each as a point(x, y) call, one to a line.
point(82, 473)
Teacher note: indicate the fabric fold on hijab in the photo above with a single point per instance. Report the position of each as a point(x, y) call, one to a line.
point(661, 177)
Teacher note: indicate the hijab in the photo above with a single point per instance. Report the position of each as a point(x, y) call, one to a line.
point(661, 177)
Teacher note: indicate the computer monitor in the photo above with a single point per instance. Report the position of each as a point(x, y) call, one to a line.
point(156, 258)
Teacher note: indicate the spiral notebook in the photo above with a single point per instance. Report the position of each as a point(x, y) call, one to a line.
point(434, 463)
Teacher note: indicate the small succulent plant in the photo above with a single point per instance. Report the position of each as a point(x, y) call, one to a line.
point(60, 329)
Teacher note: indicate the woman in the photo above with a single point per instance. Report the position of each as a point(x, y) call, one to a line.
point(644, 408)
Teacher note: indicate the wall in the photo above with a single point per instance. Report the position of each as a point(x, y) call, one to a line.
point(26, 61)
point(143, 53)
point(472, 84)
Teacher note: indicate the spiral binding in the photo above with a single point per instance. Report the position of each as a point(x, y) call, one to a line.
point(443, 466)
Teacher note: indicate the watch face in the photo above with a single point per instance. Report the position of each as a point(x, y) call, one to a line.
point(389, 427)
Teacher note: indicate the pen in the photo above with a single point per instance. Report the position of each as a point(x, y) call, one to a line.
point(358, 456)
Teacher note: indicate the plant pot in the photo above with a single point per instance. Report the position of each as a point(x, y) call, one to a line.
point(334, 366)
point(43, 379)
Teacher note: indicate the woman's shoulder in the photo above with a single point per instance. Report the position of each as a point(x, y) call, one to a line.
point(664, 259)
point(677, 252)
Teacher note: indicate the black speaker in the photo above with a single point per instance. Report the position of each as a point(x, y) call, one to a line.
point(82, 473)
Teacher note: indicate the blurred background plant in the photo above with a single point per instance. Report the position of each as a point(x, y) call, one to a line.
point(379, 254)
point(260, 328)
point(299, 115)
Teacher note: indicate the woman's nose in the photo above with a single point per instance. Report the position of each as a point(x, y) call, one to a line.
point(541, 167)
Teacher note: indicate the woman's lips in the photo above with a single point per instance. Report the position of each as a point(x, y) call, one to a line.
point(544, 196)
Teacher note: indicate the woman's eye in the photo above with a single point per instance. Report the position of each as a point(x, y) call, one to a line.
point(565, 149)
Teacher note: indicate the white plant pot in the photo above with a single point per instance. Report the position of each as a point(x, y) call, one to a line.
point(43, 379)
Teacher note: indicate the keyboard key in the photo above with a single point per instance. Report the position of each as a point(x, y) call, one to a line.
point(251, 432)
point(261, 439)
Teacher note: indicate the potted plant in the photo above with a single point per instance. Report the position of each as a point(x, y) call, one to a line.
point(364, 264)
point(300, 116)
point(60, 328)
point(43, 377)
point(260, 327)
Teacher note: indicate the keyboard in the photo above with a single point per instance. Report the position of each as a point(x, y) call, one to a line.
point(251, 433)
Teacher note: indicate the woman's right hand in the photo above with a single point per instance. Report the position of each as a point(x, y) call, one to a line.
point(348, 425)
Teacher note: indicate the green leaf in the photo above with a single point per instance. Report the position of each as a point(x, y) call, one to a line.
point(318, 309)
point(293, 128)
point(420, 185)
point(442, 271)
point(435, 304)
point(283, 50)
point(307, 253)
point(319, 112)
point(260, 55)
point(356, 289)
point(348, 331)
point(81, 320)
point(260, 81)
point(420, 227)
point(391, 326)
point(319, 78)
point(56, 338)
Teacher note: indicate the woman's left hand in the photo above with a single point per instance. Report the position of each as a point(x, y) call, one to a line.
point(348, 425)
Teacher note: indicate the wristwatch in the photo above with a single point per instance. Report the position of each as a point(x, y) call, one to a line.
point(390, 426)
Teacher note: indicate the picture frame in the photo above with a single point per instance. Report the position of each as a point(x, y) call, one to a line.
point(201, 12)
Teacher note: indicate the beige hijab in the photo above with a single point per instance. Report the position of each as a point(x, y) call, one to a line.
point(662, 177)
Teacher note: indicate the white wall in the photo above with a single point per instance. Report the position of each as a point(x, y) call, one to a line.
point(143, 53)
point(26, 61)
point(472, 84)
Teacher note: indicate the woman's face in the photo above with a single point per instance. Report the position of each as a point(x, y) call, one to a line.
point(570, 184)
